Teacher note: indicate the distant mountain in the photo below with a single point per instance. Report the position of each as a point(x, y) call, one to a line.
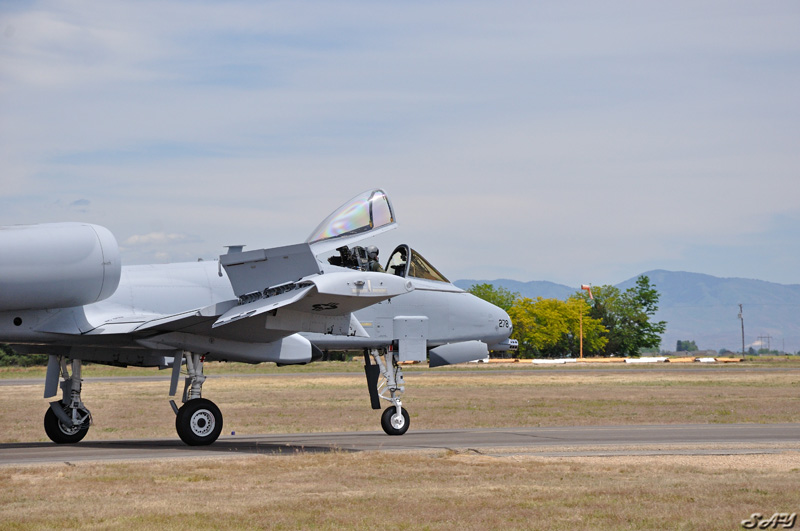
point(703, 308)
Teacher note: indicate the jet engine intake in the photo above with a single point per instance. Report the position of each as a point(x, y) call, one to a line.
point(57, 265)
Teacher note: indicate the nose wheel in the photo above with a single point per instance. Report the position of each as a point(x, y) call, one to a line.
point(394, 422)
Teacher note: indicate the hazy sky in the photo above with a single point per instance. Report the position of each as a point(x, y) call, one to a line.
point(567, 141)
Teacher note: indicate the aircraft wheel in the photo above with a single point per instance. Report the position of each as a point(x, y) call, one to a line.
point(394, 424)
point(60, 433)
point(199, 422)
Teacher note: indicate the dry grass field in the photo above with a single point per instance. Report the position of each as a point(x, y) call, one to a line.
point(432, 490)
point(475, 397)
point(401, 491)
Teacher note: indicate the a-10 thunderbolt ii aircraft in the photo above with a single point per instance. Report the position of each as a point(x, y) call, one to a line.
point(63, 292)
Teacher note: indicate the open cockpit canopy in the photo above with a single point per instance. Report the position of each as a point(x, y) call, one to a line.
point(367, 214)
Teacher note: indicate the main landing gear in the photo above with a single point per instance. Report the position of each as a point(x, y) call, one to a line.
point(395, 419)
point(67, 420)
point(198, 421)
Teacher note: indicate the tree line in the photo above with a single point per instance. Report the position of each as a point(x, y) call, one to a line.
point(9, 358)
point(614, 322)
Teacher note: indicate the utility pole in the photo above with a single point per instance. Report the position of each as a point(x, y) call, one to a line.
point(587, 287)
point(741, 318)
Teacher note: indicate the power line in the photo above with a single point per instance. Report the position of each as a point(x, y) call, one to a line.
point(768, 339)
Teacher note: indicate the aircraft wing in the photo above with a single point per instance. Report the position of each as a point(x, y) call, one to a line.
point(321, 303)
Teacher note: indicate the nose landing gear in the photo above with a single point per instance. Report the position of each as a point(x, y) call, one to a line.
point(395, 419)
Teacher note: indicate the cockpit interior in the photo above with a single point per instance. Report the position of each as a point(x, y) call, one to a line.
point(398, 264)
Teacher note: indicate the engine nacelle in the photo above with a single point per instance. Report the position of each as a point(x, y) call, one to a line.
point(57, 265)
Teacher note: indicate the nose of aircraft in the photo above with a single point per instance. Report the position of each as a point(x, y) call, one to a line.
point(500, 323)
point(508, 326)
point(504, 327)
point(504, 324)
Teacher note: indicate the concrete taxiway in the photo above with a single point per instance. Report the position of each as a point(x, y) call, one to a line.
point(686, 439)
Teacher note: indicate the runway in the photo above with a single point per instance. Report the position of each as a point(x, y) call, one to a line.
point(685, 439)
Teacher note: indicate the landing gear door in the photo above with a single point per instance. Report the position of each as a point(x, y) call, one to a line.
point(411, 333)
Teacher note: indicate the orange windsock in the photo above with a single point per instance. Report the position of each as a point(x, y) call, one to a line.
point(588, 288)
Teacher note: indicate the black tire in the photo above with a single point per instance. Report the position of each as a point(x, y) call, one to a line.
point(199, 422)
point(398, 428)
point(59, 433)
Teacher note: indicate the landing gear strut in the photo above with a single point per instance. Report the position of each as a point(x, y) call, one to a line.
point(394, 420)
point(67, 420)
point(198, 421)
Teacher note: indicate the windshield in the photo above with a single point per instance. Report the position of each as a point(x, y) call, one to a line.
point(417, 267)
point(367, 211)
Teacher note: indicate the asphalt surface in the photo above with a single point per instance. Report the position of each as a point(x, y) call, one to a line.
point(688, 439)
